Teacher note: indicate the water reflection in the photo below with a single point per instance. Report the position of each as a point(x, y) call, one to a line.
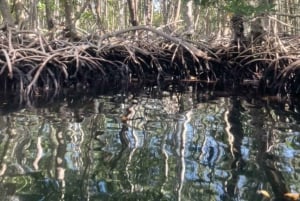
point(147, 148)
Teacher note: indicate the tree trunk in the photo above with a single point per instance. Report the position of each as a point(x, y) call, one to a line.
point(33, 17)
point(69, 24)
point(6, 15)
point(164, 11)
point(132, 12)
point(49, 19)
point(171, 14)
point(105, 10)
point(122, 16)
point(257, 31)
point(49, 15)
point(237, 25)
point(222, 19)
point(96, 9)
point(189, 15)
point(19, 13)
point(177, 13)
point(56, 13)
point(148, 11)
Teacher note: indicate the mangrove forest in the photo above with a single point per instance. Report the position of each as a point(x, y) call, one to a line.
point(149, 100)
point(51, 45)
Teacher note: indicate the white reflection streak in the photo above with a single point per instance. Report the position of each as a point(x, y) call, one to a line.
point(229, 133)
point(39, 153)
point(166, 160)
point(166, 157)
point(60, 169)
point(61, 178)
point(135, 145)
point(3, 169)
point(77, 137)
point(182, 151)
point(128, 166)
point(269, 144)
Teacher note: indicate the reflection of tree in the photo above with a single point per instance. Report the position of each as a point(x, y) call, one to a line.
point(181, 138)
point(39, 154)
point(267, 162)
point(60, 163)
point(235, 133)
point(7, 189)
point(138, 165)
point(263, 139)
point(14, 170)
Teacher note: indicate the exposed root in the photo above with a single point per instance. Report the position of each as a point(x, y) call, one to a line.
point(31, 64)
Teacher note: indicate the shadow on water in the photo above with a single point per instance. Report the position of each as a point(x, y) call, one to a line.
point(149, 143)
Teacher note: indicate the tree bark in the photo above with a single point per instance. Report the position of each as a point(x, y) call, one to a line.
point(122, 16)
point(132, 12)
point(257, 33)
point(69, 24)
point(148, 11)
point(6, 15)
point(49, 15)
point(189, 15)
point(164, 11)
point(19, 13)
point(237, 25)
point(177, 11)
point(33, 17)
point(96, 9)
point(49, 19)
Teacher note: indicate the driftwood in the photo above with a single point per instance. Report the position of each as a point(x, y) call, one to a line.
point(31, 64)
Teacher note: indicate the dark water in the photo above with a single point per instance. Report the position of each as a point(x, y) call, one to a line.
point(172, 146)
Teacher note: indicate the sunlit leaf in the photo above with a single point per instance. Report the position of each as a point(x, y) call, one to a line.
point(292, 196)
point(264, 193)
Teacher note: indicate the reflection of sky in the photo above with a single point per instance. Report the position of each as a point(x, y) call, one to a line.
point(285, 163)
point(245, 148)
point(192, 168)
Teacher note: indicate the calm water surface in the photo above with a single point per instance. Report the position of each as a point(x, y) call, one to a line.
point(171, 146)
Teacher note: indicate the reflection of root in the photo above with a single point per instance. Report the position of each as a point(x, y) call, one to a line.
point(274, 176)
point(39, 153)
point(3, 169)
point(128, 171)
point(124, 136)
